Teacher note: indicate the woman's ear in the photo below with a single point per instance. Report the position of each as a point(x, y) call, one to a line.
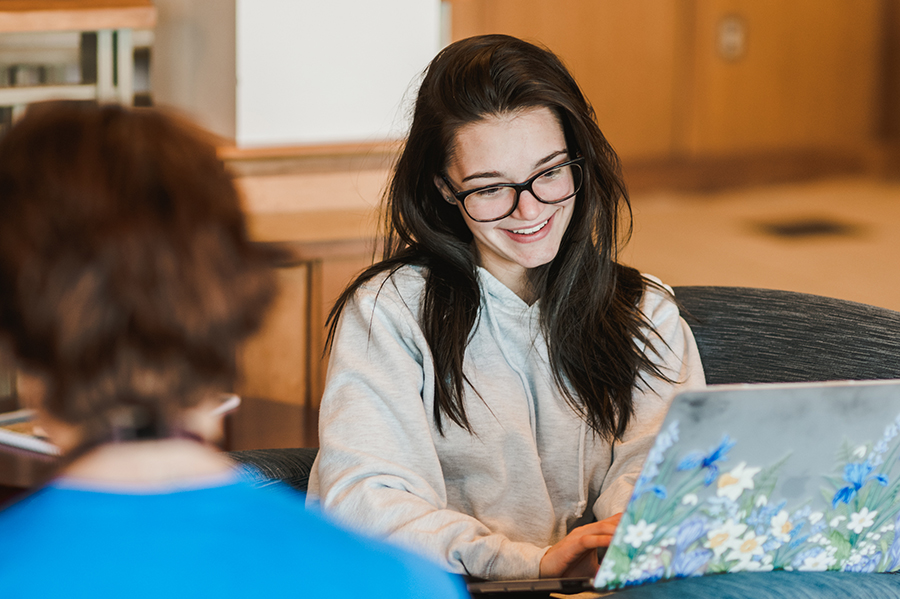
point(443, 189)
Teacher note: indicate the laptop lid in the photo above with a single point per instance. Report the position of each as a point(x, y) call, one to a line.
point(762, 477)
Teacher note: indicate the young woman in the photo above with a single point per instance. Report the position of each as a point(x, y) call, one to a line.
point(126, 282)
point(497, 379)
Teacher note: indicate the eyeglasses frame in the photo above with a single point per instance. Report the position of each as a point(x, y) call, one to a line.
point(460, 196)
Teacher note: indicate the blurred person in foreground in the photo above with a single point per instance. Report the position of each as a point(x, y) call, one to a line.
point(126, 282)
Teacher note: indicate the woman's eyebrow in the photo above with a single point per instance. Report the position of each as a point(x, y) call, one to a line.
point(485, 175)
point(549, 157)
point(496, 174)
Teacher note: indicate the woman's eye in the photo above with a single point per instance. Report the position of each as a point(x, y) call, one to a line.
point(554, 174)
point(486, 194)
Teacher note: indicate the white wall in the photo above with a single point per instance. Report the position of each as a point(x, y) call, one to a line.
point(192, 62)
point(292, 72)
point(314, 71)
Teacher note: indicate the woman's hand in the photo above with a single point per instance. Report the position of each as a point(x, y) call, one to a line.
point(576, 555)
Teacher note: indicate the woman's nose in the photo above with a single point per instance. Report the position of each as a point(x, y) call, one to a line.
point(529, 207)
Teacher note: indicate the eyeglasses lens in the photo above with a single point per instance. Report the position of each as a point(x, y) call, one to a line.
point(550, 187)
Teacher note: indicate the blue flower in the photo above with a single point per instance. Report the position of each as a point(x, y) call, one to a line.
point(819, 526)
point(894, 553)
point(645, 485)
point(689, 564)
point(796, 542)
point(795, 532)
point(761, 517)
point(689, 532)
point(803, 555)
point(857, 474)
point(709, 461)
point(865, 564)
point(717, 506)
point(894, 549)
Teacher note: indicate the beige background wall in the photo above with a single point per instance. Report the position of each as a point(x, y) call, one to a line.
point(808, 75)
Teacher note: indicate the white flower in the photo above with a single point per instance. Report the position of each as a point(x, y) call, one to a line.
point(763, 565)
point(861, 519)
point(748, 546)
point(815, 517)
point(780, 527)
point(761, 501)
point(667, 542)
point(860, 452)
point(816, 538)
point(689, 499)
point(732, 484)
point(638, 534)
point(725, 537)
point(605, 574)
point(836, 521)
point(818, 563)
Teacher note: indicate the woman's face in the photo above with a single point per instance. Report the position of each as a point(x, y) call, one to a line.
point(511, 148)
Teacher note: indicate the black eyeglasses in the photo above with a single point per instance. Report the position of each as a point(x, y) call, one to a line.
point(551, 186)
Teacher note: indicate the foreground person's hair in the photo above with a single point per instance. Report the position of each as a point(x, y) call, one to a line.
point(126, 275)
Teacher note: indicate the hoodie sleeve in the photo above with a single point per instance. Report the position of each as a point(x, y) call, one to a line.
point(674, 350)
point(378, 470)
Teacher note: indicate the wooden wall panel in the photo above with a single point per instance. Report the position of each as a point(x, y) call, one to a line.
point(282, 368)
point(330, 277)
point(620, 51)
point(273, 364)
point(816, 76)
point(889, 113)
point(808, 77)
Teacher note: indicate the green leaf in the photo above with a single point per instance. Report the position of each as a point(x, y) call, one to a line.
point(844, 454)
point(841, 543)
point(621, 563)
point(764, 482)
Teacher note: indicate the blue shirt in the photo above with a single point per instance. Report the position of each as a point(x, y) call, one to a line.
point(229, 540)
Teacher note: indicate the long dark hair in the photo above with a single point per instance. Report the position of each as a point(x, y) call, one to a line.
point(589, 303)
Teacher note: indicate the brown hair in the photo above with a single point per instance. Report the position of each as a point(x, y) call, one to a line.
point(126, 274)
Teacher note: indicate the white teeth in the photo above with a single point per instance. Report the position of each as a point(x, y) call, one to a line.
point(533, 229)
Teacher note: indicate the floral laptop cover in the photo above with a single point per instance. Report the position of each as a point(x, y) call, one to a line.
point(763, 477)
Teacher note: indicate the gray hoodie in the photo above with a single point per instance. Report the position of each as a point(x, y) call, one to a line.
point(488, 504)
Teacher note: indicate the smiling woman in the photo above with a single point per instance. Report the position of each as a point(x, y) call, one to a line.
point(514, 230)
point(497, 379)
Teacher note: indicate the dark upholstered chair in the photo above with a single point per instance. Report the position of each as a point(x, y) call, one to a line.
point(745, 335)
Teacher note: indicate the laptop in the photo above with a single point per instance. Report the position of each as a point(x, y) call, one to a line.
point(799, 477)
